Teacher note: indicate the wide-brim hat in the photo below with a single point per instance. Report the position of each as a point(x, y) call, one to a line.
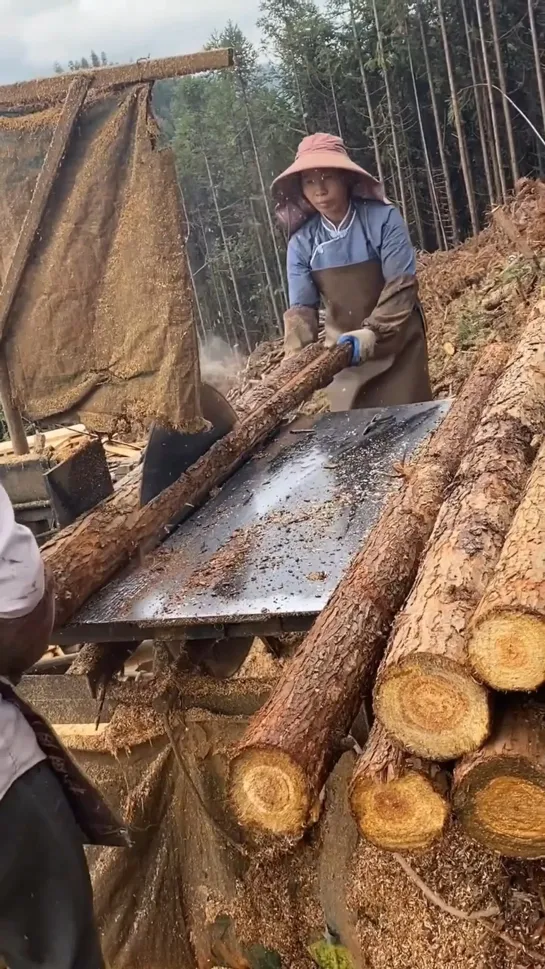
point(315, 152)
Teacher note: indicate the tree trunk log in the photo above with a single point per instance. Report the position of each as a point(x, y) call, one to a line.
point(289, 749)
point(426, 695)
point(499, 791)
point(507, 643)
point(274, 381)
point(399, 801)
point(88, 553)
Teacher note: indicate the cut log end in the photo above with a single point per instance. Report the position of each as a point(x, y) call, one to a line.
point(501, 804)
point(433, 707)
point(269, 792)
point(507, 651)
point(403, 814)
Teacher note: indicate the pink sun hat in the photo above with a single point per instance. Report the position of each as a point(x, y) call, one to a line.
point(318, 151)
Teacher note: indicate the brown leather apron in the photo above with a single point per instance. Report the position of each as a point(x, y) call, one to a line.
point(400, 374)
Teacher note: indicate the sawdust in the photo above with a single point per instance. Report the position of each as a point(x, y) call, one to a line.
point(128, 727)
point(70, 447)
point(220, 570)
point(259, 664)
point(31, 122)
point(399, 929)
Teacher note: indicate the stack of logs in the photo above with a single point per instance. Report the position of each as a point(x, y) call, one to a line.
point(441, 618)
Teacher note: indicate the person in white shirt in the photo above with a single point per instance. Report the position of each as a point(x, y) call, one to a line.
point(46, 903)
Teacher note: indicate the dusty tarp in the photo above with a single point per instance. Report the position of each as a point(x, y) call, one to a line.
point(102, 325)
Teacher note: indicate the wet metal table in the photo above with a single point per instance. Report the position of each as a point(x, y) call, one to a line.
point(266, 552)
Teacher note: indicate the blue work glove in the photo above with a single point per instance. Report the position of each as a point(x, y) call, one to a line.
point(362, 343)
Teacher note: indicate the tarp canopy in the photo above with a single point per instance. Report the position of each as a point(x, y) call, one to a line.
point(102, 325)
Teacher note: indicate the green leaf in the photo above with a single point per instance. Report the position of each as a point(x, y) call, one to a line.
point(327, 955)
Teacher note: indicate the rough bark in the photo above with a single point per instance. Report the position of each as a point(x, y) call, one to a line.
point(507, 643)
point(400, 802)
point(499, 792)
point(88, 553)
point(288, 751)
point(426, 695)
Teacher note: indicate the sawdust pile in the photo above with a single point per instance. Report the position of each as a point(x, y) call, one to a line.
point(195, 890)
point(484, 290)
point(105, 295)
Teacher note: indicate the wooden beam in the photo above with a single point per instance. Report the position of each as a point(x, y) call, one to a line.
point(63, 699)
point(14, 421)
point(67, 699)
point(42, 93)
point(33, 219)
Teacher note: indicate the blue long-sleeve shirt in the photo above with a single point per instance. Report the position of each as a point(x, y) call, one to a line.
point(370, 231)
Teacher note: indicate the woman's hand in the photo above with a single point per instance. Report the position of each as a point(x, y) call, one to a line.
point(362, 343)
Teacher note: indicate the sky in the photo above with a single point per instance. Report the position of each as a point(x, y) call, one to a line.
point(34, 34)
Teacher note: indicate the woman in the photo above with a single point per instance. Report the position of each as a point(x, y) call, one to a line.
point(350, 247)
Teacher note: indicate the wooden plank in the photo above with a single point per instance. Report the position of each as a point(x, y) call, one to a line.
point(42, 93)
point(63, 699)
point(67, 699)
point(59, 435)
point(52, 438)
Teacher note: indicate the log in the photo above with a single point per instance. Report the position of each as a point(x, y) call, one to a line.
point(507, 637)
point(88, 553)
point(273, 381)
point(399, 802)
point(426, 695)
point(499, 791)
point(280, 767)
